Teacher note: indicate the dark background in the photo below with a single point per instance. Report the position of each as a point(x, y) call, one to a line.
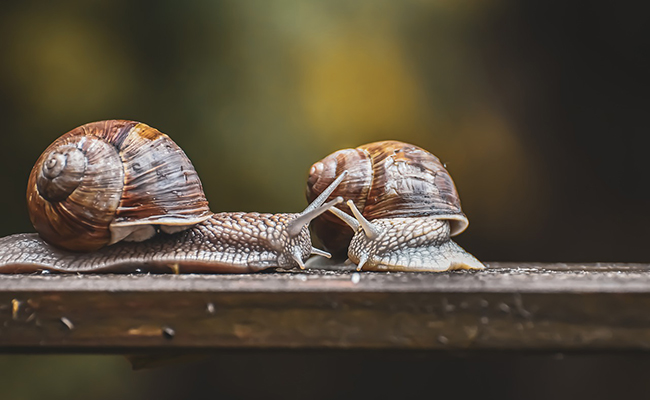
point(539, 110)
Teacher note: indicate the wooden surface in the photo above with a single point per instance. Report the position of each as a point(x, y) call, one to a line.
point(509, 306)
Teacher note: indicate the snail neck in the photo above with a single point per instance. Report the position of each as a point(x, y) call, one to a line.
point(411, 243)
point(405, 232)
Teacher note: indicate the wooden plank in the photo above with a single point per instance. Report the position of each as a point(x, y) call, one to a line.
point(510, 306)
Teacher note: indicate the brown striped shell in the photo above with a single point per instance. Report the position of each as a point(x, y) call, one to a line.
point(388, 179)
point(113, 180)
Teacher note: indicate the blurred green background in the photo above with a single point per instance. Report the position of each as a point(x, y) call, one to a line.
point(537, 109)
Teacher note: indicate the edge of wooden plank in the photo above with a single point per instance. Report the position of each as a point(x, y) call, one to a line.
point(499, 277)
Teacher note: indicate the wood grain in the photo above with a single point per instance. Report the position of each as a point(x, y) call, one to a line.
point(514, 306)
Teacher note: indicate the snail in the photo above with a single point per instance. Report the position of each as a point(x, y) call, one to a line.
point(403, 207)
point(117, 195)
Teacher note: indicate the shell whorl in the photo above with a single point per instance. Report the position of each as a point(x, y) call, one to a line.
point(109, 180)
point(388, 179)
point(61, 173)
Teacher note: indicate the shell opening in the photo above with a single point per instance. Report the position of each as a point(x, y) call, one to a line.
point(138, 233)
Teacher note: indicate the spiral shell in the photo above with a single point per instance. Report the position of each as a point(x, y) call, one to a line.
point(113, 180)
point(387, 179)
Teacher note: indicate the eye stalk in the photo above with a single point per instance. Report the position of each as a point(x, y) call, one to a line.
point(295, 227)
point(313, 210)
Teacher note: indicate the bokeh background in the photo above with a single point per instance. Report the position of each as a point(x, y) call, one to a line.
point(538, 109)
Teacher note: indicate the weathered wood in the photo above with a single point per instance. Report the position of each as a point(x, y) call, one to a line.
point(508, 306)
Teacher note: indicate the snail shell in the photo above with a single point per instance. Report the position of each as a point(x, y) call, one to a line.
point(114, 180)
point(386, 179)
point(401, 189)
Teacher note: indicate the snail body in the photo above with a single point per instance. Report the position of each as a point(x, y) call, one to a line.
point(403, 208)
point(89, 221)
point(224, 243)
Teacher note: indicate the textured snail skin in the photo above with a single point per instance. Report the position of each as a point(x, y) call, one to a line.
point(225, 243)
point(410, 244)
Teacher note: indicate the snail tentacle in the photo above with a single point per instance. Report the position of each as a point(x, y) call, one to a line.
point(318, 201)
point(305, 217)
point(347, 218)
point(319, 252)
point(371, 230)
point(361, 261)
point(297, 257)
